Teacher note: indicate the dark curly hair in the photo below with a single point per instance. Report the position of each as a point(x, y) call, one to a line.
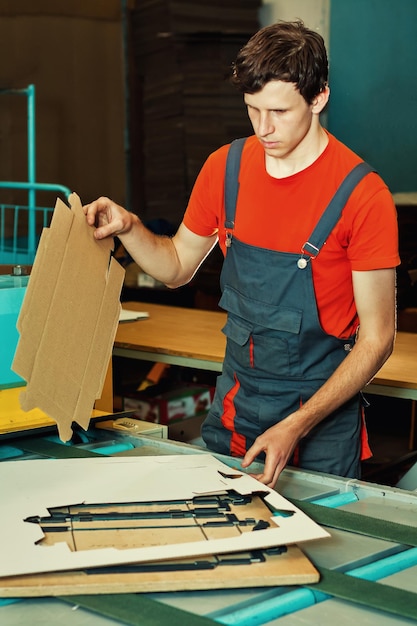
point(286, 51)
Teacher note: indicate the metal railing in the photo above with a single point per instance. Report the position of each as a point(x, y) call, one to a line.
point(25, 222)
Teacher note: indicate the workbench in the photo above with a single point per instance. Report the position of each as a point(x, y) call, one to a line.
point(365, 555)
point(193, 338)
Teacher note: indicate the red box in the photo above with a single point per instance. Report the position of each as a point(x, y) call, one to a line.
point(170, 406)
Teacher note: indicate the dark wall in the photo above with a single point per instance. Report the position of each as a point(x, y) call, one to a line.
point(73, 53)
point(182, 106)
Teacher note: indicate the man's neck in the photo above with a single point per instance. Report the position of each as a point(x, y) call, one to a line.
point(305, 154)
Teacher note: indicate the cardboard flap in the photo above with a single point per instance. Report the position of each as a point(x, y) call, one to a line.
point(101, 345)
point(31, 320)
point(68, 319)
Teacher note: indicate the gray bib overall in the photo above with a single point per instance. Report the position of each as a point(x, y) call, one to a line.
point(277, 354)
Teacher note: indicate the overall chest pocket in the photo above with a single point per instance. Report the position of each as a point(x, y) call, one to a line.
point(268, 351)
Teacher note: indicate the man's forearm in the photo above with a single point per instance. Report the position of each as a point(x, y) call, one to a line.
point(352, 375)
point(155, 254)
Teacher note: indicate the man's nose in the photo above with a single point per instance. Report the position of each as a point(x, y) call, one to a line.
point(265, 125)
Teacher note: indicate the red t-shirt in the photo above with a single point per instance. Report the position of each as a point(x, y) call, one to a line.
point(280, 214)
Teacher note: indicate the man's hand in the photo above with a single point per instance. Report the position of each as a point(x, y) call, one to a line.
point(278, 444)
point(109, 218)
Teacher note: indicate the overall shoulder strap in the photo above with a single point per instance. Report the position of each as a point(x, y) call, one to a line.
point(334, 209)
point(231, 184)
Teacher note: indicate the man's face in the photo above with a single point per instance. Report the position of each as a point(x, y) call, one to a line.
point(280, 117)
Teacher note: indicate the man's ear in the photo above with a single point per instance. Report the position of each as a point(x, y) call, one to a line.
point(321, 100)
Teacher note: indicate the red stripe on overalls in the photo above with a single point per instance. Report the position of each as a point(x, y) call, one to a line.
point(366, 451)
point(251, 352)
point(237, 441)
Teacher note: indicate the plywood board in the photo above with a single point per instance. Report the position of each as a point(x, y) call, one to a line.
point(257, 568)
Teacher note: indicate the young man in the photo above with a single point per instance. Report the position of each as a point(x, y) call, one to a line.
point(311, 313)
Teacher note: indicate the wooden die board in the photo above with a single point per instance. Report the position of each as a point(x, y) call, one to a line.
point(291, 567)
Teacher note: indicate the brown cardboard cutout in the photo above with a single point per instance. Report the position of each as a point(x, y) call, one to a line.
point(68, 319)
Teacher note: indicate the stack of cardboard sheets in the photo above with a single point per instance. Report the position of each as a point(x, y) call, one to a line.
point(183, 54)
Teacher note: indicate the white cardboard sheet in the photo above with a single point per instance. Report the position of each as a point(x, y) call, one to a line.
point(29, 488)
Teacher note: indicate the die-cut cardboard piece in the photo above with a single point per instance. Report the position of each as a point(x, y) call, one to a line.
point(163, 530)
point(68, 319)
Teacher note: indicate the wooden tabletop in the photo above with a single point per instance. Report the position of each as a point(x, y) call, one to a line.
point(196, 334)
point(400, 370)
point(174, 331)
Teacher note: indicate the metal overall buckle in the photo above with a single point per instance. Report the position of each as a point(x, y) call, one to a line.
point(308, 253)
